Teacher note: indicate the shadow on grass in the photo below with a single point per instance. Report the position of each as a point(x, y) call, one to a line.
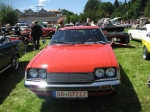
point(125, 100)
point(122, 46)
point(9, 80)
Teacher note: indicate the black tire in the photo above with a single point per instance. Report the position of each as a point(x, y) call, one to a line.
point(15, 63)
point(126, 39)
point(146, 54)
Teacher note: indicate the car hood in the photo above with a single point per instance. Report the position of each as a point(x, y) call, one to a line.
point(74, 58)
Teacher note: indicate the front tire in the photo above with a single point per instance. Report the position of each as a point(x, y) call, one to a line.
point(146, 54)
point(15, 63)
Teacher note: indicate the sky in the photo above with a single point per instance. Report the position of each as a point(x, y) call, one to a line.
point(75, 6)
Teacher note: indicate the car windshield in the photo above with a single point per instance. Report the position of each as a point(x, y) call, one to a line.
point(79, 36)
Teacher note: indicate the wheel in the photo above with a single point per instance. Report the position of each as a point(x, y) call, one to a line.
point(146, 54)
point(92, 39)
point(15, 63)
point(126, 39)
point(130, 37)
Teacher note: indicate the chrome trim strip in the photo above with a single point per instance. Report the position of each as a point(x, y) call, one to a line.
point(43, 85)
point(5, 68)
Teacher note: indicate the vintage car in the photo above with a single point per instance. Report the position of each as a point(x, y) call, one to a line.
point(116, 33)
point(10, 52)
point(139, 32)
point(46, 32)
point(79, 62)
point(10, 30)
point(146, 46)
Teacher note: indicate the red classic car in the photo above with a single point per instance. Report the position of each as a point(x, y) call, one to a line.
point(78, 62)
point(45, 31)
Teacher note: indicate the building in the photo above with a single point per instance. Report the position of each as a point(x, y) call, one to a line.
point(42, 15)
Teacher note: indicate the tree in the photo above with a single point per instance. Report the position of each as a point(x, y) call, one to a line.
point(91, 8)
point(116, 3)
point(106, 8)
point(8, 14)
point(147, 10)
point(26, 10)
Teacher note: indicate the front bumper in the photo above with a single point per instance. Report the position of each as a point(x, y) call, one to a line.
point(42, 88)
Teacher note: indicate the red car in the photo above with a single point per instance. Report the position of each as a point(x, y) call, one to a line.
point(45, 31)
point(78, 62)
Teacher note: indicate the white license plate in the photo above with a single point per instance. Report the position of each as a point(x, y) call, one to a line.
point(70, 94)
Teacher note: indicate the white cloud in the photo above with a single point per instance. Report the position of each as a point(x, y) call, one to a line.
point(41, 2)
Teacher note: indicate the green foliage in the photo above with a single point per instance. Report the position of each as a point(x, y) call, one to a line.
point(91, 8)
point(116, 3)
point(7, 14)
point(106, 9)
point(147, 9)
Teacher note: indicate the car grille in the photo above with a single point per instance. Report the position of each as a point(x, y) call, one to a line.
point(69, 78)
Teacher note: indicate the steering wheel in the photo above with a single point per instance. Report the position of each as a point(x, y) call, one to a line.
point(92, 39)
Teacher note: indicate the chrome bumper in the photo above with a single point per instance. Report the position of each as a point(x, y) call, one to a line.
point(43, 86)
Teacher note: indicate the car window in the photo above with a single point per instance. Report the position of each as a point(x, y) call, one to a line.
point(78, 35)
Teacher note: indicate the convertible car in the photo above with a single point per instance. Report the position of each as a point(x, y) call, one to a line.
point(139, 32)
point(10, 52)
point(78, 62)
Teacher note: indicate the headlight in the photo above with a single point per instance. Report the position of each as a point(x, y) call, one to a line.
point(110, 72)
point(99, 73)
point(33, 73)
point(42, 73)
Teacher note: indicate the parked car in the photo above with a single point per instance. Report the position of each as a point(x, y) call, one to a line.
point(68, 25)
point(146, 46)
point(46, 32)
point(139, 32)
point(78, 62)
point(10, 52)
point(116, 33)
point(10, 30)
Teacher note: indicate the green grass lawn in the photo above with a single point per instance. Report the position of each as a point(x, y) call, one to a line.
point(133, 95)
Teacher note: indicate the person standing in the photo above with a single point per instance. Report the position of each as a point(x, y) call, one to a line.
point(60, 24)
point(36, 34)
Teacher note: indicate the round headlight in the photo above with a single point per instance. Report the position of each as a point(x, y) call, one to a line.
point(42, 73)
point(99, 73)
point(110, 72)
point(33, 72)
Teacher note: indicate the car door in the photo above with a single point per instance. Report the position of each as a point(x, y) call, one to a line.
point(6, 51)
point(135, 33)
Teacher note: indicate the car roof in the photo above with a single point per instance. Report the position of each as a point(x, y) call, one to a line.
point(78, 27)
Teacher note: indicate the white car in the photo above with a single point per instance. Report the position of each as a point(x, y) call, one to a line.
point(139, 32)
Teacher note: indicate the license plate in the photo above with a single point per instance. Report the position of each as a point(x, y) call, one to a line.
point(70, 94)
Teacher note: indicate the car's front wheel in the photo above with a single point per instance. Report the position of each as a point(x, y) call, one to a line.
point(15, 63)
point(146, 54)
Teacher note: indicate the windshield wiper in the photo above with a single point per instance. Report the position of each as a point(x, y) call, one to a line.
point(102, 42)
point(80, 42)
point(61, 42)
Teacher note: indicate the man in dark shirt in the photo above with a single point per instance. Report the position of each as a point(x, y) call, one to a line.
point(36, 34)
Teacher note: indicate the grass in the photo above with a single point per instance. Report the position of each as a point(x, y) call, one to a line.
point(132, 96)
